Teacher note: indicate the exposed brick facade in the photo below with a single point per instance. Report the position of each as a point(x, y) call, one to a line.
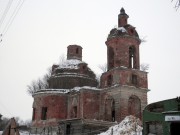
point(73, 89)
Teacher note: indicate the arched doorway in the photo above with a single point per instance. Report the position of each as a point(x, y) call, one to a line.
point(110, 109)
point(134, 106)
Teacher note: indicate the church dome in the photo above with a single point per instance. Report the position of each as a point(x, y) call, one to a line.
point(72, 73)
point(126, 30)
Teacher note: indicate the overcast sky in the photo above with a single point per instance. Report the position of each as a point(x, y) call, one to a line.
point(42, 30)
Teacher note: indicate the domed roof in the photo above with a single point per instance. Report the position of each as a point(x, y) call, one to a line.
point(127, 30)
point(72, 73)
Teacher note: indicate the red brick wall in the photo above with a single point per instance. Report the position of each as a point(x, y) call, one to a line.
point(56, 108)
point(124, 77)
point(91, 104)
point(120, 47)
point(74, 52)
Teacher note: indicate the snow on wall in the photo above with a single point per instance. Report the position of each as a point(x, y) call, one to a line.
point(129, 126)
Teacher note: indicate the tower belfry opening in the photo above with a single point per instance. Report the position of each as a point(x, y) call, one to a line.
point(132, 60)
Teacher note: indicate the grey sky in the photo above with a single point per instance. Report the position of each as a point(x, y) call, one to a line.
point(42, 30)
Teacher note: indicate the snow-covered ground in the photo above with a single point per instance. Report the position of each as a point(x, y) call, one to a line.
point(26, 133)
point(21, 133)
point(129, 126)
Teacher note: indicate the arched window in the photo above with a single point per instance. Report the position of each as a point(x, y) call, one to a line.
point(109, 80)
point(77, 50)
point(110, 58)
point(134, 106)
point(132, 57)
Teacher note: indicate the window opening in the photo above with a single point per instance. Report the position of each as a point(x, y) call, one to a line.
point(84, 67)
point(174, 128)
point(113, 111)
point(110, 58)
point(132, 57)
point(134, 79)
point(132, 31)
point(109, 80)
point(125, 20)
point(154, 127)
point(68, 129)
point(44, 113)
point(34, 112)
point(75, 111)
point(77, 50)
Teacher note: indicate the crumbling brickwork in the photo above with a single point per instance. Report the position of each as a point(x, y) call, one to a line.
point(74, 93)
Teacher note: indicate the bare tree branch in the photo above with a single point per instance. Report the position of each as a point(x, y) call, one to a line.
point(144, 66)
point(103, 67)
point(41, 83)
point(177, 4)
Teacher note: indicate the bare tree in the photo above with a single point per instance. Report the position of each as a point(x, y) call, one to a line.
point(41, 83)
point(103, 67)
point(4, 121)
point(32, 87)
point(143, 39)
point(144, 66)
point(177, 4)
point(61, 59)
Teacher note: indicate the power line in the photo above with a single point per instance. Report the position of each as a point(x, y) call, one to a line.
point(11, 19)
point(2, 105)
point(5, 12)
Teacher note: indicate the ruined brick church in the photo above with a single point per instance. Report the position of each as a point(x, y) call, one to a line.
point(76, 103)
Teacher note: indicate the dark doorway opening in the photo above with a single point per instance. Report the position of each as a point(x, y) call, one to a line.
point(68, 129)
point(113, 110)
point(113, 115)
point(44, 113)
point(175, 128)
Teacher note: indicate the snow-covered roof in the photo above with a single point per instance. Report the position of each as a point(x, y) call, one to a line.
point(85, 87)
point(122, 29)
point(63, 91)
point(70, 64)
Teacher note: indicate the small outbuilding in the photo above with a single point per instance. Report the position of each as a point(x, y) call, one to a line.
point(162, 118)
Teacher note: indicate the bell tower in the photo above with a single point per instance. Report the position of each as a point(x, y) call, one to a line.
point(123, 45)
point(123, 56)
point(124, 81)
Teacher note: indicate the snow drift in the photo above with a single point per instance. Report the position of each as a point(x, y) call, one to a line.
point(129, 126)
